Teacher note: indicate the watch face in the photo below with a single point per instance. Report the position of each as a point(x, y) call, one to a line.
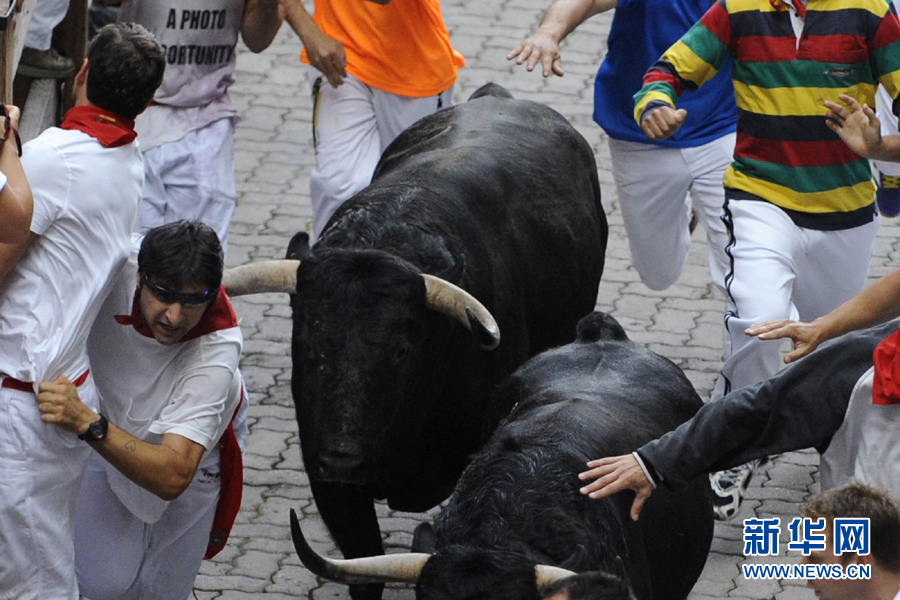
point(97, 431)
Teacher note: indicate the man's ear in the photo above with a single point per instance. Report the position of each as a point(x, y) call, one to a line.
point(81, 75)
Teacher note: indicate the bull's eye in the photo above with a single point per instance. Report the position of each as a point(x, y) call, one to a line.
point(400, 354)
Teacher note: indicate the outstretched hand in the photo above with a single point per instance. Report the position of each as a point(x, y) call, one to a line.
point(806, 336)
point(540, 47)
point(856, 124)
point(614, 474)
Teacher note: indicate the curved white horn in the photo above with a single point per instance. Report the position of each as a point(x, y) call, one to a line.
point(455, 302)
point(401, 568)
point(545, 576)
point(262, 277)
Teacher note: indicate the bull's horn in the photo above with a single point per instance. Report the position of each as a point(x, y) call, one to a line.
point(545, 576)
point(455, 302)
point(262, 277)
point(401, 568)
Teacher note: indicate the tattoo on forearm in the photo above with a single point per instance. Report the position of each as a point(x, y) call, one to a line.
point(131, 446)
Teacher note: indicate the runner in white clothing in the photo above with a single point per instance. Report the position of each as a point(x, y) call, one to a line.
point(165, 359)
point(187, 135)
point(86, 181)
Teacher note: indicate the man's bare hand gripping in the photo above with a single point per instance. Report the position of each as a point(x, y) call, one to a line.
point(614, 474)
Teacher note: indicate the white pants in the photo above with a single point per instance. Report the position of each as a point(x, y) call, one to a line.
point(352, 125)
point(118, 556)
point(782, 271)
point(47, 15)
point(41, 466)
point(883, 105)
point(656, 188)
point(192, 178)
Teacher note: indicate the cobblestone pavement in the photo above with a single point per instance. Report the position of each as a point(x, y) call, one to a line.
point(273, 159)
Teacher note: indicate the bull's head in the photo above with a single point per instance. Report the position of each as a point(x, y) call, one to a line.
point(481, 574)
point(441, 296)
point(361, 320)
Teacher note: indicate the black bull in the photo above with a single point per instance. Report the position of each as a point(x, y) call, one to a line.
point(518, 504)
point(496, 196)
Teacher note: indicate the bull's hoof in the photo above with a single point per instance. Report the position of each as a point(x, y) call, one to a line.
point(371, 591)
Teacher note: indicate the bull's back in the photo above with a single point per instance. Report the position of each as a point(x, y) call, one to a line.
point(519, 184)
point(608, 397)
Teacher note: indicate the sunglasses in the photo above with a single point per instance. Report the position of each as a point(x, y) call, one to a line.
point(167, 296)
point(8, 128)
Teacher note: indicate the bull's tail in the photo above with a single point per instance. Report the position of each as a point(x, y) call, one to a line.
point(491, 89)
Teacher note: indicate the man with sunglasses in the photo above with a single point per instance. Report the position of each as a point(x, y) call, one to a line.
point(163, 484)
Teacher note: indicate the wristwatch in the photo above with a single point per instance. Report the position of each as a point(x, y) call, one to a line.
point(96, 431)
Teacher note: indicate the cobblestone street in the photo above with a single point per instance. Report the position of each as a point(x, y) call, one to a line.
point(274, 156)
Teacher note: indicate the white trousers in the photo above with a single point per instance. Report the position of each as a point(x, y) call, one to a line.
point(41, 466)
point(191, 178)
point(46, 16)
point(782, 271)
point(656, 188)
point(352, 125)
point(118, 556)
point(883, 105)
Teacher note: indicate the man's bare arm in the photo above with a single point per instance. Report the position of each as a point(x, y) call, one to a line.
point(166, 469)
point(261, 22)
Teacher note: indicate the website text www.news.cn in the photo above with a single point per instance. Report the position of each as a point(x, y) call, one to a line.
point(794, 571)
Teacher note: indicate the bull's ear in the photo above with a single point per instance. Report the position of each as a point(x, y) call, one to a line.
point(455, 302)
point(298, 247)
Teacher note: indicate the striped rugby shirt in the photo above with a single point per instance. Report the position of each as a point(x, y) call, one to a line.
point(785, 152)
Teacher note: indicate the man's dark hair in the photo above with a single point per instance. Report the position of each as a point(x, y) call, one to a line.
point(857, 500)
point(125, 66)
point(180, 254)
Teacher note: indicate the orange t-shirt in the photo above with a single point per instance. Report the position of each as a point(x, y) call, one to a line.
point(402, 47)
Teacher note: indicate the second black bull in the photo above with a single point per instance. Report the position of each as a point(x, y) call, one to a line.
point(394, 365)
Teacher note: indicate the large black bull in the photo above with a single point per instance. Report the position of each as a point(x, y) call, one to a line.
point(496, 196)
point(518, 503)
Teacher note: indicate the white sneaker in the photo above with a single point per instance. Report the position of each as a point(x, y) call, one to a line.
point(728, 489)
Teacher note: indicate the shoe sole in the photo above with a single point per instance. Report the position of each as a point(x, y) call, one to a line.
point(39, 73)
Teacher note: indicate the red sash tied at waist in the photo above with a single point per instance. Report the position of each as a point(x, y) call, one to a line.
point(231, 489)
point(27, 386)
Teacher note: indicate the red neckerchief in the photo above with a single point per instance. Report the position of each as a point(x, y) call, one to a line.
point(108, 128)
point(886, 382)
point(780, 5)
point(219, 315)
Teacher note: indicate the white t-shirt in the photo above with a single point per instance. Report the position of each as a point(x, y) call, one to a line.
point(190, 388)
point(199, 38)
point(865, 447)
point(85, 202)
point(3, 180)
